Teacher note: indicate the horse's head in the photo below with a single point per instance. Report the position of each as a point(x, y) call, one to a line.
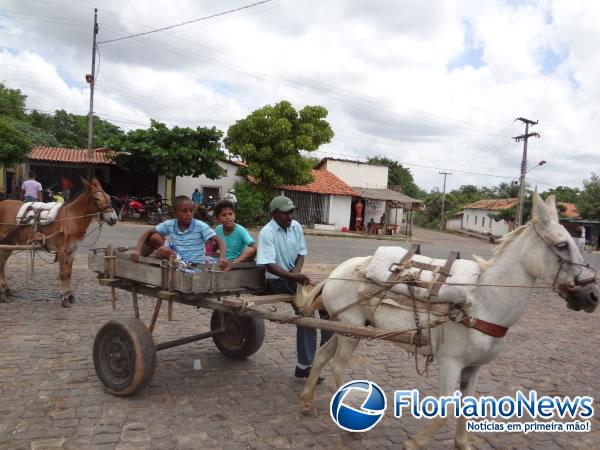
point(100, 201)
point(557, 259)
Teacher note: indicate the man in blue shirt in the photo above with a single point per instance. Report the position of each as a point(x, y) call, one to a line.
point(186, 237)
point(282, 248)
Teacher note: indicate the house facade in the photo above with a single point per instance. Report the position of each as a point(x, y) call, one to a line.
point(323, 203)
point(384, 208)
point(477, 217)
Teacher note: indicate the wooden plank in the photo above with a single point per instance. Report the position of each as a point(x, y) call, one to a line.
point(256, 300)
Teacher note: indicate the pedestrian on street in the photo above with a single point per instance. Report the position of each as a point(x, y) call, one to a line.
point(231, 197)
point(66, 188)
point(281, 249)
point(31, 190)
point(197, 198)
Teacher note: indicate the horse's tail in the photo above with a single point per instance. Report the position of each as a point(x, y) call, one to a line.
point(305, 297)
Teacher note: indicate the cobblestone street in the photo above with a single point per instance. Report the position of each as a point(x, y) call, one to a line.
point(50, 396)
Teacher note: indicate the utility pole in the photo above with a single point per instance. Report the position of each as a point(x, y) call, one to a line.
point(91, 79)
point(524, 138)
point(443, 218)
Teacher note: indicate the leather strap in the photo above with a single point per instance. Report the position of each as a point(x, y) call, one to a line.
point(491, 329)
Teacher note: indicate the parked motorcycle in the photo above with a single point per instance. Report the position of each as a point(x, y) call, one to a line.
point(147, 209)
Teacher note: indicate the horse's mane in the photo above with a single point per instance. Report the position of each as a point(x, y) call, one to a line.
point(501, 249)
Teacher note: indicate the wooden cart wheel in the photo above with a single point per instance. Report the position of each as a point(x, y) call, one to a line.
point(124, 356)
point(244, 335)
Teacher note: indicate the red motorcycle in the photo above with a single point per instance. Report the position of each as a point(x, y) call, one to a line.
point(140, 208)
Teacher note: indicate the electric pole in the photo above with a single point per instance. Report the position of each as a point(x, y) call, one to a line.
point(524, 138)
point(443, 218)
point(91, 79)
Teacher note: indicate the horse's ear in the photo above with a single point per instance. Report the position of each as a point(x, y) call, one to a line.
point(551, 207)
point(86, 183)
point(539, 212)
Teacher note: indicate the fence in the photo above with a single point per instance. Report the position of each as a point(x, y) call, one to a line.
point(310, 208)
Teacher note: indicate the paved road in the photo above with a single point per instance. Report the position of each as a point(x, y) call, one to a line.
point(50, 396)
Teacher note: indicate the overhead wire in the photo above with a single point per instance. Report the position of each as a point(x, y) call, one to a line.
point(231, 11)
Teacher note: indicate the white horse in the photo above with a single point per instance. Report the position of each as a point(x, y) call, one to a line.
point(541, 251)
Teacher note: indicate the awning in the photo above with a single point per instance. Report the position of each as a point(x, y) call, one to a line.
point(387, 194)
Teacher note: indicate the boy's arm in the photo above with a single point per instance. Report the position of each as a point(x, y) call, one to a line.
point(135, 254)
point(223, 263)
point(247, 254)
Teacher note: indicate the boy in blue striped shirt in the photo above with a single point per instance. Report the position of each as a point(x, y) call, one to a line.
point(186, 237)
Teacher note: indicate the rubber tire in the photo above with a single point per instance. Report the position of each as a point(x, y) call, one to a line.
point(141, 361)
point(153, 218)
point(250, 329)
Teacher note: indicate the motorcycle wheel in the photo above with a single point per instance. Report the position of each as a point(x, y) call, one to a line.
point(152, 218)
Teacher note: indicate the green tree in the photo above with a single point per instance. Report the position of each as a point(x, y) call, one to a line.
point(563, 194)
point(588, 202)
point(171, 152)
point(398, 176)
point(12, 102)
point(15, 145)
point(270, 139)
point(250, 209)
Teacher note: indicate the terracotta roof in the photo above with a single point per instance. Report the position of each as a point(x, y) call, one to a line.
point(570, 210)
point(493, 204)
point(70, 155)
point(324, 183)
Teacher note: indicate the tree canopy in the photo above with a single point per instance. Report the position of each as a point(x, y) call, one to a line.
point(15, 144)
point(270, 139)
point(588, 201)
point(172, 152)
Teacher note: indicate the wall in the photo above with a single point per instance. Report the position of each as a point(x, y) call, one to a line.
point(455, 223)
point(186, 185)
point(359, 174)
point(339, 210)
point(497, 228)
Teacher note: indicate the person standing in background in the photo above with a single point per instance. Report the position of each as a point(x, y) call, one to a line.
point(197, 198)
point(31, 190)
point(66, 188)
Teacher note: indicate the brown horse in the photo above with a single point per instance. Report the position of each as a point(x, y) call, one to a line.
point(62, 236)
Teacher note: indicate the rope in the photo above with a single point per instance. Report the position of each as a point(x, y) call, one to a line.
point(55, 220)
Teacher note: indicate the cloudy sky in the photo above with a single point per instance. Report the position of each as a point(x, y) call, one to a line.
point(432, 84)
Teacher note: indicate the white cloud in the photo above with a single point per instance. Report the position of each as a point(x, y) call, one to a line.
point(381, 68)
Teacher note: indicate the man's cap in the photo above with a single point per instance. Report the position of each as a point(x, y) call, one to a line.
point(282, 204)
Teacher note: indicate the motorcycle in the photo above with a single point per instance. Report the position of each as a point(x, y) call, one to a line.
point(138, 208)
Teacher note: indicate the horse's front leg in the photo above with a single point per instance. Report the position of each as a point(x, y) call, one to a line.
point(4, 290)
point(468, 382)
point(450, 372)
point(65, 264)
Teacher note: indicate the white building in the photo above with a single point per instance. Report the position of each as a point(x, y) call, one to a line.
point(217, 188)
point(383, 207)
point(324, 202)
point(477, 216)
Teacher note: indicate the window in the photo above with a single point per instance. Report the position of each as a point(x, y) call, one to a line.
point(475, 220)
point(483, 222)
point(208, 191)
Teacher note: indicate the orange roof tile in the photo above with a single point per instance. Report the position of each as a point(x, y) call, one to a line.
point(570, 210)
point(493, 204)
point(70, 155)
point(324, 183)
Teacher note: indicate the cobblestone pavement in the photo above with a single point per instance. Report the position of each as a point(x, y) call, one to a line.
point(50, 396)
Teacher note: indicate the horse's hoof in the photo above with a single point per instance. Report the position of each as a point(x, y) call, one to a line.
point(66, 303)
point(8, 292)
point(71, 298)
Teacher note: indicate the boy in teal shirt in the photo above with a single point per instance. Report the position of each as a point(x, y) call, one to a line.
point(239, 244)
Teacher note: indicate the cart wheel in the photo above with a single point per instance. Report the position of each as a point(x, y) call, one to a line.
point(124, 356)
point(244, 335)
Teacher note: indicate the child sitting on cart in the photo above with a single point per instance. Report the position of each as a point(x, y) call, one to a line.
point(185, 238)
point(238, 243)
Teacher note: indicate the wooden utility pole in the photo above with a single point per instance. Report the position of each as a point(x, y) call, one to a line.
point(91, 79)
point(443, 218)
point(524, 138)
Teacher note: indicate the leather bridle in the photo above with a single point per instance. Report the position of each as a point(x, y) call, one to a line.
point(100, 211)
point(562, 262)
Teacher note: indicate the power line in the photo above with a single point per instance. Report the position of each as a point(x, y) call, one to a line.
point(186, 23)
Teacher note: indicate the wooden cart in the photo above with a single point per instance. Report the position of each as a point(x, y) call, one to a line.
point(124, 350)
